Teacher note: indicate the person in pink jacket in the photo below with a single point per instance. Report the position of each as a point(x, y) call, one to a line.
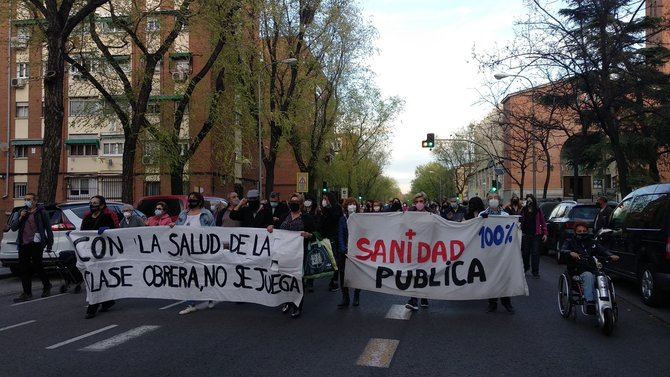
point(160, 217)
point(534, 229)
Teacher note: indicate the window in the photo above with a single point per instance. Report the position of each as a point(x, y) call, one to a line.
point(80, 188)
point(153, 24)
point(84, 107)
point(112, 148)
point(619, 215)
point(22, 70)
point(648, 212)
point(584, 212)
point(152, 188)
point(22, 109)
point(109, 27)
point(183, 147)
point(20, 151)
point(20, 190)
point(153, 108)
point(84, 150)
point(182, 65)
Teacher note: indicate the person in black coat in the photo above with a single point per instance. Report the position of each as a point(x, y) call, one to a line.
point(100, 218)
point(278, 209)
point(250, 213)
point(329, 227)
point(602, 220)
point(34, 235)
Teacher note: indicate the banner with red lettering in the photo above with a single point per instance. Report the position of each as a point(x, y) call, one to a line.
point(422, 255)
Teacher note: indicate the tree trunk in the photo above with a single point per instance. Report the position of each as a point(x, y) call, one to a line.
point(129, 152)
point(177, 177)
point(53, 121)
point(547, 175)
point(621, 166)
point(269, 175)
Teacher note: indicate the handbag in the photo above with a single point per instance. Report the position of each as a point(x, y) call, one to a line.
point(319, 261)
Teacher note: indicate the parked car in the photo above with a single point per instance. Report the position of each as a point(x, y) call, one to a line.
point(548, 207)
point(175, 204)
point(562, 220)
point(63, 217)
point(639, 233)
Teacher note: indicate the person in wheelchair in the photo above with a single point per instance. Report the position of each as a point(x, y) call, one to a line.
point(577, 253)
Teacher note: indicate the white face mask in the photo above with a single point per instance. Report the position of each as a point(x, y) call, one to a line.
point(324, 203)
point(494, 203)
point(308, 203)
point(351, 208)
point(28, 203)
point(127, 214)
point(376, 208)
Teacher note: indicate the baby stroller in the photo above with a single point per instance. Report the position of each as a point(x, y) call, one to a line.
point(66, 267)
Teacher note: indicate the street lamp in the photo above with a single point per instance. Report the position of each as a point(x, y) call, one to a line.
point(500, 76)
point(290, 62)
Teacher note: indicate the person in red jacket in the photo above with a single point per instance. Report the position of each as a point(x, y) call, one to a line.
point(534, 229)
point(160, 217)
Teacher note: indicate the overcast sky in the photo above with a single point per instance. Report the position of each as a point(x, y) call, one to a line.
point(425, 48)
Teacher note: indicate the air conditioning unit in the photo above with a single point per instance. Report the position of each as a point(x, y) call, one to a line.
point(147, 160)
point(19, 82)
point(179, 76)
point(19, 42)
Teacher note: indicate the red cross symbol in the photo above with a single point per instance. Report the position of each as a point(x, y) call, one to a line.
point(410, 234)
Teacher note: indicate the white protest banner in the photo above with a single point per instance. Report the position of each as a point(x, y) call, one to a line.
point(422, 255)
point(189, 263)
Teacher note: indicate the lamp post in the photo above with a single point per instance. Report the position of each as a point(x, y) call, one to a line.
point(500, 76)
point(290, 62)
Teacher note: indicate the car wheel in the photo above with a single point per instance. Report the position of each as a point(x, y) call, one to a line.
point(651, 295)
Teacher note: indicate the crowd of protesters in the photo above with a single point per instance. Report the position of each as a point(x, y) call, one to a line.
point(315, 219)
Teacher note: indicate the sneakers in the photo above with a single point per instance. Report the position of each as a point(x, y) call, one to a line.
point(211, 304)
point(333, 287)
point(23, 297)
point(46, 291)
point(509, 308)
point(411, 305)
point(424, 303)
point(188, 310)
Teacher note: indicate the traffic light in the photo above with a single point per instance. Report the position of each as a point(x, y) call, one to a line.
point(360, 197)
point(429, 142)
point(325, 187)
point(495, 185)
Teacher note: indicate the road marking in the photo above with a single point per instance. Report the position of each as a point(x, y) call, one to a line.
point(378, 353)
point(37, 299)
point(399, 312)
point(17, 325)
point(80, 337)
point(119, 339)
point(172, 305)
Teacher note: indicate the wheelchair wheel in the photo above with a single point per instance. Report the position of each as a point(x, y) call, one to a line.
point(608, 326)
point(564, 299)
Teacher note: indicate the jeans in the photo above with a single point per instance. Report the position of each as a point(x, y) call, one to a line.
point(530, 251)
point(30, 261)
point(589, 286)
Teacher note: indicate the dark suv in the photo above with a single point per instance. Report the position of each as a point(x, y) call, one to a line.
point(640, 236)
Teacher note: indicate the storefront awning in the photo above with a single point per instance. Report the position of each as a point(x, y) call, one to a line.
point(26, 142)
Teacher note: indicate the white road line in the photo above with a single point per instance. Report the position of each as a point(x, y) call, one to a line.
point(17, 325)
point(37, 299)
point(378, 353)
point(119, 339)
point(172, 305)
point(80, 337)
point(399, 312)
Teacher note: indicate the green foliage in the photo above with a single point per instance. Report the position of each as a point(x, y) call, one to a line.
point(433, 179)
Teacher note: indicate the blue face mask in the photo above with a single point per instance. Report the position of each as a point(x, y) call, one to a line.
point(158, 212)
point(274, 204)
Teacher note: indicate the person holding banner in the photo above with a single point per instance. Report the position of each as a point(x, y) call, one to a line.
point(352, 207)
point(296, 221)
point(494, 209)
point(250, 213)
point(329, 226)
point(160, 217)
point(475, 207)
point(100, 218)
point(196, 216)
point(419, 206)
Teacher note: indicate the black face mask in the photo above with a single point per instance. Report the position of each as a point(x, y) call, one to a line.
point(582, 237)
point(94, 208)
point(193, 203)
point(254, 204)
point(294, 207)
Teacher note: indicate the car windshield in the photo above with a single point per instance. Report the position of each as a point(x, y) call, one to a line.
point(148, 206)
point(584, 212)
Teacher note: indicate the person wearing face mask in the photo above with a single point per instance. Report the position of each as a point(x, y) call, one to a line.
point(419, 206)
point(196, 215)
point(160, 217)
point(514, 207)
point(351, 206)
point(329, 223)
point(278, 209)
point(475, 207)
point(396, 205)
point(534, 230)
point(223, 216)
point(301, 222)
point(250, 213)
point(130, 219)
point(582, 248)
point(452, 211)
point(376, 206)
point(494, 209)
point(34, 235)
point(100, 218)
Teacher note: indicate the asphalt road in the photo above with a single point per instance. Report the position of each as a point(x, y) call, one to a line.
point(137, 337)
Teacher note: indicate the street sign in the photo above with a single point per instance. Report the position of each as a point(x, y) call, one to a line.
point(302, 182)
point(344, 192)
point(499, 171)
